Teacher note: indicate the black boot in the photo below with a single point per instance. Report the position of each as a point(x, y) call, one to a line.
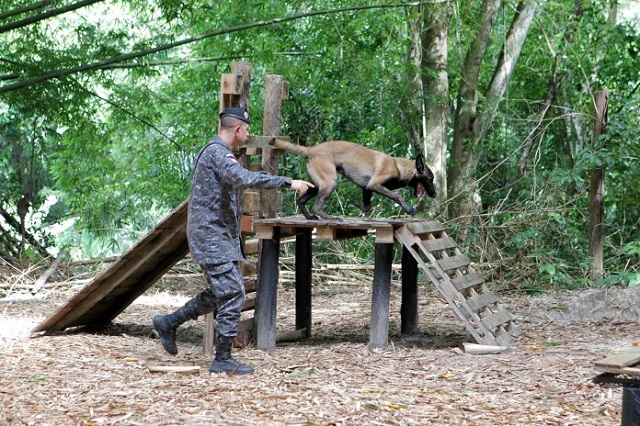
point(224, 362)
point(166, 325)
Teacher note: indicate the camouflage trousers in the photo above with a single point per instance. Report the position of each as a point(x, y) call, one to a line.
point(225, 295)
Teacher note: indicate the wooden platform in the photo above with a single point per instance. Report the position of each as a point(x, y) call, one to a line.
point(425, 245)
point(333, 229)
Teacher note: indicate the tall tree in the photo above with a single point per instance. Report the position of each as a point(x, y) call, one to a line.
point(428, 83)
point(472, 123)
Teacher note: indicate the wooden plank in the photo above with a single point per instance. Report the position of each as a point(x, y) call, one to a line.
point(140, 261)
point(481, 301)
point(251, 246)
point(620, 360)
point(264, 232)
point(121, 296)
point(292, 335)
point(326, 233)
point(466, 281)
point(245, 333)
point(260, 141)
point(475, 349)
point(247, 224)
point(231, 84)
point(248, 268)
point(342, 233)
point(453, 262)
point(426, 227)
point(250, 285)
point(619, 370)
point(496, 319)
point(209, 333)
point(271, 125)
point(249, 304)
point(439, 244)
point(179, 369)
point(384, 235)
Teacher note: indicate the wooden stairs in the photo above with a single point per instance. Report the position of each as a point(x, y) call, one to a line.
point(479, 309)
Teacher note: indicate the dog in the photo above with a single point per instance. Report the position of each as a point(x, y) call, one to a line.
point(371, 170)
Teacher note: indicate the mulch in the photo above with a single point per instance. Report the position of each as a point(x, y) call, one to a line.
point(102, 377)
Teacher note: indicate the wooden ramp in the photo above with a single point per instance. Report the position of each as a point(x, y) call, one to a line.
point(465, 291)
point(126, 279)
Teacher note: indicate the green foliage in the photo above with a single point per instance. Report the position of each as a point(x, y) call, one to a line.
point(114, 145)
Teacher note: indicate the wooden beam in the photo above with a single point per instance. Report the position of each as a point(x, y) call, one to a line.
point(259, 141)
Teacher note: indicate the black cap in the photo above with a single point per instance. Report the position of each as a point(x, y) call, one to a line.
point(239, 113)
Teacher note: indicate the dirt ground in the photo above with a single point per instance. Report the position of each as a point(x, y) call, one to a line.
point(82, 378)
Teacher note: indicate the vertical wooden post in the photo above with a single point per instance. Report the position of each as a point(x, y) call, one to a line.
point(274, 93)
point(266, 293)
point(234, 92)
point(596, 193)
point(409, 306)
point(379, 332)
point(304, 261)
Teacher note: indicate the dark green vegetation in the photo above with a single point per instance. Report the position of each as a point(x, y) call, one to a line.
point(103, 107)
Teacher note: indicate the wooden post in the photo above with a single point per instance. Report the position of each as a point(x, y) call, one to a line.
point(266, 293)
point(274, 93)
point(409, 306)
point(234, 92)
point(379, 332)
point(596, 193)
point(304, 263)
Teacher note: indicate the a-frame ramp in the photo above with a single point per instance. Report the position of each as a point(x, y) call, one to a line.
point(131, 275)
point(449, 269)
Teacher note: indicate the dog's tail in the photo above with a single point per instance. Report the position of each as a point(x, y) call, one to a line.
point(290, 147)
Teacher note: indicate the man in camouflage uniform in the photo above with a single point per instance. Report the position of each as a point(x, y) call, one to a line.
point(213, 231)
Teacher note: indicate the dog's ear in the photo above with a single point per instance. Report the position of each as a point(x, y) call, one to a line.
point(420, 164)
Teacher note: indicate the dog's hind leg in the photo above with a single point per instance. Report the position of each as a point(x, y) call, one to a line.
point(324, 175)
point(365, 204)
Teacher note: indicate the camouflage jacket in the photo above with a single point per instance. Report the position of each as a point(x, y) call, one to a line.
point(215, 203)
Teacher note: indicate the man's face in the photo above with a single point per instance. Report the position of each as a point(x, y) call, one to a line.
point(240, 134)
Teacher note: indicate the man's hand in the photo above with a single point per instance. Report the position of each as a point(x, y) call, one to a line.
point(300, 186)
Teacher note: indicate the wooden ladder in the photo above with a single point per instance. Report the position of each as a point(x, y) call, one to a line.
point(464, 289)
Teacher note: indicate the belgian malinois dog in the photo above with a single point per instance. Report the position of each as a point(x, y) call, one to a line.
point(373, 171)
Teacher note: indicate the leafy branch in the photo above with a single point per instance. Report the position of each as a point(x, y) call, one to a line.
point(135, 55)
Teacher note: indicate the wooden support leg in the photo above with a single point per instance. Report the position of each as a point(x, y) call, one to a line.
point(267, 293)
point(209, 333)
point(304, 261)
point(379, 332)
point(409, 307)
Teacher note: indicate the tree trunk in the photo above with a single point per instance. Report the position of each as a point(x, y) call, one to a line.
point(596, 193)
point(414, 116)
point(506, 63)
point(436, 86)
point(429, 89)
point(463, 158)
point(471, 127)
